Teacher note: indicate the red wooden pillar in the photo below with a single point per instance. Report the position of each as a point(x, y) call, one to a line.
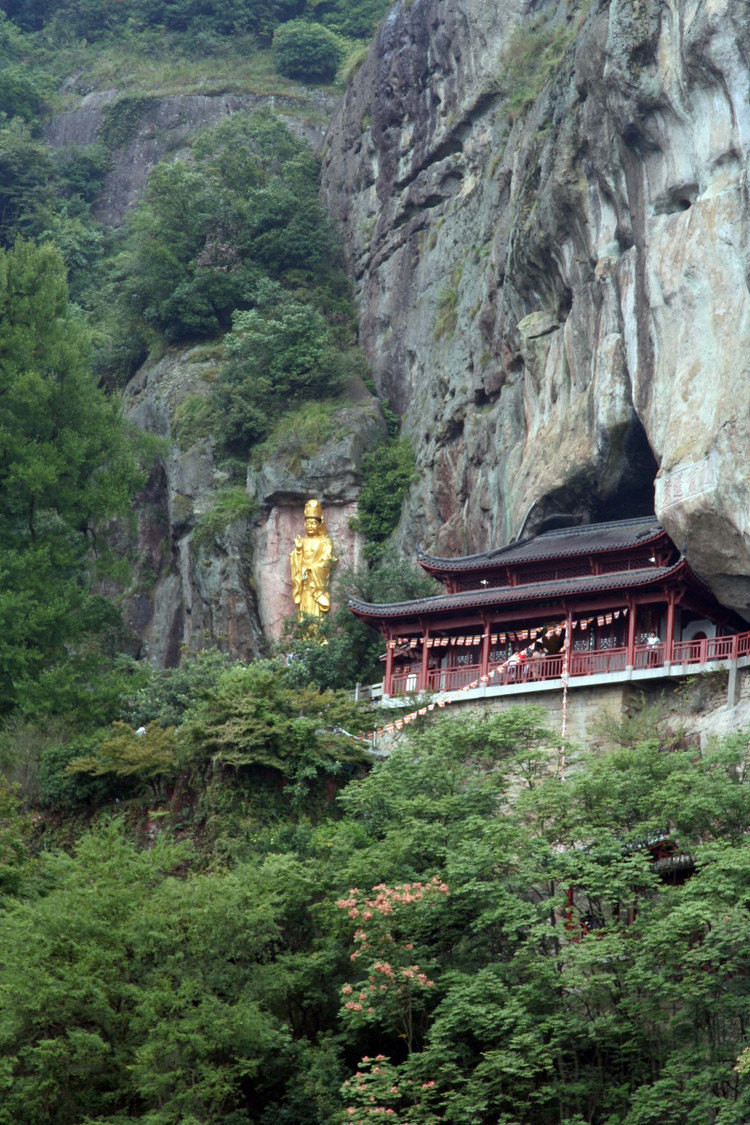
point(568, 657)
point(669, 643)
point(485, 658)
point(424, 683)
point(388, 679)
point(630, 659)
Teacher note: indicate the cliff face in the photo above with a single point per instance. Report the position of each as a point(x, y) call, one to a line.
point(555, 294)
point(161, 128)
point(208, 569)
point(207, 574)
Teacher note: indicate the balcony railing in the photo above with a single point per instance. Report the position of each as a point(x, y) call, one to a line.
point(595, 662)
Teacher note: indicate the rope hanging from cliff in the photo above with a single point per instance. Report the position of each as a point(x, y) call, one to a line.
point(565, 680)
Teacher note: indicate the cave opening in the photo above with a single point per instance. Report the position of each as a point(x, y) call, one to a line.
point(629, 492)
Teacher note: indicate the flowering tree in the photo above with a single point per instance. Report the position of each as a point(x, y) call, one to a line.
point(393, 992)
point(380, 1092)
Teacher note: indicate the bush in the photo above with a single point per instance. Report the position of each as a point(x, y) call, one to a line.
point(20, 94)
point(307, 52)
point(277, 357)
point(387, 474)
point(58, 789)
point(355, 18)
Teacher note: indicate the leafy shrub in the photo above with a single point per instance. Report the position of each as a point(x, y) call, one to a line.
point(146, 754)
point(58, 788)
point(21, 94)
point(276, 357)
point(387, 473)
point(26, 179)
point(355, 18)
point(231, 505)
point(207, 235)
point(307, 52)
point(255, 719)
point(169, 692)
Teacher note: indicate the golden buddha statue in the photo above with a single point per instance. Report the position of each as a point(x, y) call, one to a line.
point(311, 561)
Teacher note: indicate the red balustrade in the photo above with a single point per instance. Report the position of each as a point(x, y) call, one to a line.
point(596, 662)
point(451, 679)
point(599, 661)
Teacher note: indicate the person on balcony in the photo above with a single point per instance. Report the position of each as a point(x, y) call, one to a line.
point(653, 641)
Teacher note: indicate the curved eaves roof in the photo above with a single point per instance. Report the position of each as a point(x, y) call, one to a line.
point(520, 595)
point(590, 539)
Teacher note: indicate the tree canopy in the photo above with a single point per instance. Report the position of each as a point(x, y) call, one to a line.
point(461, 937)
point(67, 464)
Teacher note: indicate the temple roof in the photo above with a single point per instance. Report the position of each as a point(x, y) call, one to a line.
point(496, 596)
point(589, 539)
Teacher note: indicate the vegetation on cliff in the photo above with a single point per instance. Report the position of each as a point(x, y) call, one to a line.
point(216, 908)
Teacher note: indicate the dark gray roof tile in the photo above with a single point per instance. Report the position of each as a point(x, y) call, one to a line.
point(588, 539)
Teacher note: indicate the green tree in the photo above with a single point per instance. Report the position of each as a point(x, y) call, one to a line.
point(67, 464)
point(209, 235)
point(356, 18)
point(277, 357)
point(254, 719)
point(307, 51)
point(146, 995)
point(26, 175)
point(387, 474)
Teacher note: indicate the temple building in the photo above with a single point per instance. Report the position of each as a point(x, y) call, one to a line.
point(620, 592)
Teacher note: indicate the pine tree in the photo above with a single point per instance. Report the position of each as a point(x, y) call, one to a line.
point(66, 464)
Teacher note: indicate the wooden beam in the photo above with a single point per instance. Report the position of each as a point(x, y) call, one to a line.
point(424, 676)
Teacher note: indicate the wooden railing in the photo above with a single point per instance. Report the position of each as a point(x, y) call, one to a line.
point(596, 662)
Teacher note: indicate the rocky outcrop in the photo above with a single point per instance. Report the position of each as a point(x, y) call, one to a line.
point(210, 569)
point(331, 474)
point(161, 128)
point(552, 262)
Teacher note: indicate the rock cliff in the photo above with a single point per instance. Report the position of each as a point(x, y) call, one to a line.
point(209, 548)
point(210, 570)
point(546, 212)
point(160, 128)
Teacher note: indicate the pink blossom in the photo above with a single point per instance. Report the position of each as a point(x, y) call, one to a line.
point(347, 990)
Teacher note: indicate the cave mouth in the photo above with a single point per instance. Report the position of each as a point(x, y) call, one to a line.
point(623, 490)
point(629, 491)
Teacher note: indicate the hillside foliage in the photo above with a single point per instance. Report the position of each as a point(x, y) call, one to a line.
point(459, 937)
point(217, 907)
point(88, 19)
